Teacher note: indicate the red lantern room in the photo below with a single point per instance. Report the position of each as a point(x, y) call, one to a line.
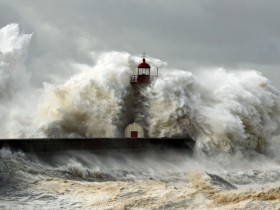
point(143, 73)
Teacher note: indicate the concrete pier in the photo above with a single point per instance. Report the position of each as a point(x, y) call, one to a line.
point(94, 144)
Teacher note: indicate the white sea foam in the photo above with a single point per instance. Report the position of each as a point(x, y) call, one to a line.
point(222, 110)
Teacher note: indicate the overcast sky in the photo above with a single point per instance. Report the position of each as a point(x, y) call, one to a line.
point(185, 34)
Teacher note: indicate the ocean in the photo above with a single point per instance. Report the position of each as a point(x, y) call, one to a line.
point(233, 115)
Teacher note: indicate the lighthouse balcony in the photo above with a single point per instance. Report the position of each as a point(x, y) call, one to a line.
point(138, 79)
point(133, 79)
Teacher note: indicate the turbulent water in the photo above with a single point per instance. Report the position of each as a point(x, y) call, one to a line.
point(234, 116)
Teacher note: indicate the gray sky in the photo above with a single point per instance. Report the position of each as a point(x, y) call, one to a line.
point(186, 34)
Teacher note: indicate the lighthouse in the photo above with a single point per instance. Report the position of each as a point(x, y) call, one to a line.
point(140, 80)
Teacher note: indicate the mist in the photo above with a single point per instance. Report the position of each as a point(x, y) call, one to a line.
point(223, 110)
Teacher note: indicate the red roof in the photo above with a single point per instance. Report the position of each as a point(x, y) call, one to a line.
point(144, 65)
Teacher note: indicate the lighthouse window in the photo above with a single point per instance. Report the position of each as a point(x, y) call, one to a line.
point(142, 71)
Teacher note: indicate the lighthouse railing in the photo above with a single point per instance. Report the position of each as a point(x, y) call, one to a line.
point(133, 79)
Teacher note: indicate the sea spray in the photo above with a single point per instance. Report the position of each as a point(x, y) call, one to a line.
point(17, 96)
point(97, 102)
point(224, 111)
point(13, 51)
point(90, 104)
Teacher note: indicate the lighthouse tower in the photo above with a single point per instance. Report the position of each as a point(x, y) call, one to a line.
point(139, 81)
